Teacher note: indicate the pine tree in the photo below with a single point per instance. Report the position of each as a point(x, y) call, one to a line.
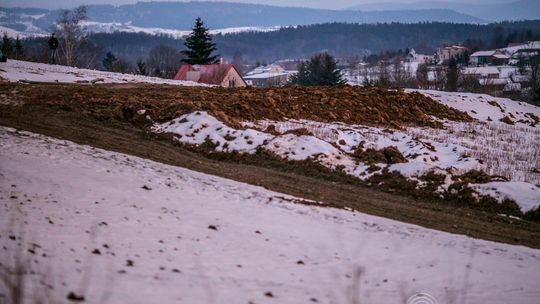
point(141, 67)
point(109, 61)
point(19, 52)
point(320, 70)
point(7, 48)
point(200, 46)
point(452, 76)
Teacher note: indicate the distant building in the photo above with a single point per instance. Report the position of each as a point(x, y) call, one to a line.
point(268, 76)
point(225, 75)
point(489, 77)
point(446, 53)
point(420, 58)
point(495, 57)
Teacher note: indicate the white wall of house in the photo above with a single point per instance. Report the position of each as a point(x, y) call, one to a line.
point(233, 80)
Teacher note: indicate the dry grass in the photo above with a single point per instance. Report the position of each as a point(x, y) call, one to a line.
point(505, 150)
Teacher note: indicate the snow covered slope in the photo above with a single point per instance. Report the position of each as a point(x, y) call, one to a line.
point(111, 27)
point(450, 152)
point(488, 108)
point(15, 70)
point(119, 229)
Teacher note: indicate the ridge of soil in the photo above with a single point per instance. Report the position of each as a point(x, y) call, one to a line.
point(347, 104)
point(52, 112)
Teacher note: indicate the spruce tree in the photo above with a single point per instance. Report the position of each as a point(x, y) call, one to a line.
point(452, 76)
point(7, 48)
point(320, 70)
point(141, 67)
point(109, 61)
point(200, 46)
point(19, 52)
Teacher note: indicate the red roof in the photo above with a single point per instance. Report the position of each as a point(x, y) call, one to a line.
point(209, 73)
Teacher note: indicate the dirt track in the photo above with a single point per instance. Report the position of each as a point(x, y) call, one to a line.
point(51, 111)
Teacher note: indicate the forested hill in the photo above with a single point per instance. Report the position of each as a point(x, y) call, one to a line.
point(339, 39)
point(225, 14)
point(217, 15)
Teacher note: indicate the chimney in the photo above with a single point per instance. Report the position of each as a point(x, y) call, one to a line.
point(221, 61)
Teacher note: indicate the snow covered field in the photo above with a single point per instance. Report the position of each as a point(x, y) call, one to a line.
point(119, 229)
point(14, 70)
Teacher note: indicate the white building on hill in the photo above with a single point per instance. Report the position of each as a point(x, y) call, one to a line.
point(268, 76)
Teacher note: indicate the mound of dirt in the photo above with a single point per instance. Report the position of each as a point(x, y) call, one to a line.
point(388, 155)
point(351, 105)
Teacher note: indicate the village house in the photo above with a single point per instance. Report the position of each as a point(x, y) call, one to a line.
point(489, 77)
point(267, 76)
point(446, 53)
point(517, 51)
point(225, 75)
point(495, 57)
point(412, 56)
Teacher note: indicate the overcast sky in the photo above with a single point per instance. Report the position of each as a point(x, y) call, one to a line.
point(328, 4)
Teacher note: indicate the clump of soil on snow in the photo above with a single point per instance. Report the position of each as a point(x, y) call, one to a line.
point(387, 155)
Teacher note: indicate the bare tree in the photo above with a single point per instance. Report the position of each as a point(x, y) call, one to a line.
point(422, 77)
point(238, 62)
point(70, 32)
point(400, 76)
point(469, 83)
point(163, 61)
point(534, 64)
point(439, 79)
point(383, 79)
point(88, 54)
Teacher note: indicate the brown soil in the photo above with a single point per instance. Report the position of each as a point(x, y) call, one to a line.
point(84, 115)
point(352, 105)
point(387, 155)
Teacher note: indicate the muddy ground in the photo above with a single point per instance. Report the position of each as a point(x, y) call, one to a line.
point(99, 116)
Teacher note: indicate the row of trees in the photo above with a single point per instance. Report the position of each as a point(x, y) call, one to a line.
point(12, 49)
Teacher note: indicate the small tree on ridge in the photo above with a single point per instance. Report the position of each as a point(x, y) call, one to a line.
point(320, 70)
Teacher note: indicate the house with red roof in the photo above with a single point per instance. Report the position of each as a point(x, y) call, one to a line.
point(225, 75)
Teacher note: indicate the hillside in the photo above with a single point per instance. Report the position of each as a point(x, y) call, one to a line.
point(365, 133)
point(339, 39)
point(143, 231)
point(128, 190)
point(217, 15)
point(489, 10)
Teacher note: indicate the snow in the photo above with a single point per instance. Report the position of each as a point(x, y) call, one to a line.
point(481, 71)
point(528, 195)
point(265, 75)
point(70, 199)
point(31, 31)
point(483, 53)
point(487, 108)
point(530, 45)
point(10, 32)
point(332, 144)
point(111, 27)
point(15, 70)
point(195, 128)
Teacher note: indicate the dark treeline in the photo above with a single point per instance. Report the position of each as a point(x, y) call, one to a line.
point(344, 40)
point(338, 39)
